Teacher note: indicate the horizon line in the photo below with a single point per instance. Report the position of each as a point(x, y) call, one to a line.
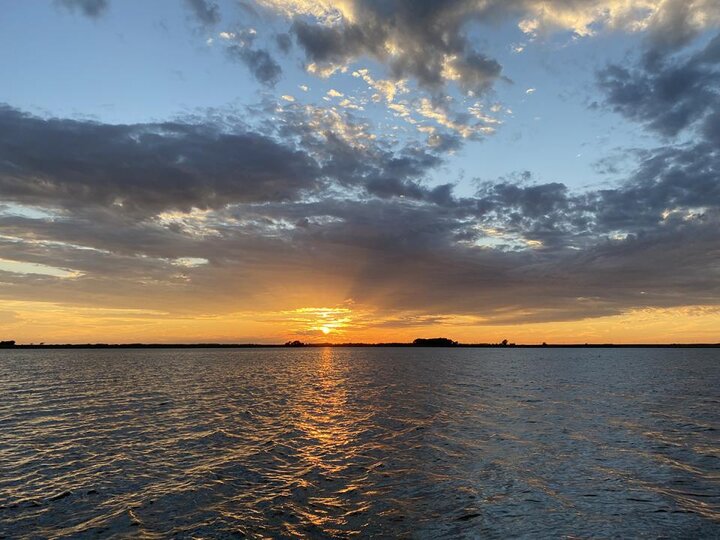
point(290, 345)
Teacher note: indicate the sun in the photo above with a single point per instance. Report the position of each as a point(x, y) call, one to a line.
point(325, 330)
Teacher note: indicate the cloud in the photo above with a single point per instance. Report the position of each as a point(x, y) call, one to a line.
point(206, 12)
point(353, 156)
point(284, 42)
point(299, 194)
point(671, 23)
point(144, 167)
point(384, 89)
point(427, 40)
point(667, 93)
point(259, 61)
point(89, 8)
point(393, 254)
point(420, 40)
point(674, 23)
point(405, 256)
point(401, 248)
point(676, 95)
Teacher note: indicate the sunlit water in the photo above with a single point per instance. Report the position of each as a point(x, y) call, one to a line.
point(424, 443)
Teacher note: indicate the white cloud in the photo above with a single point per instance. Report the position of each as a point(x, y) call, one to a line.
point(326, 71)
point(189, 262)
point(348, 104)
point(22, 267)
point(385, 88)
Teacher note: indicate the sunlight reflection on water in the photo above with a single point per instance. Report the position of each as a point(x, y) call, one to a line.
point(337, 442)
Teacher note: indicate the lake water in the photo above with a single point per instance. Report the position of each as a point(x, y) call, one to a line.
point(417, 443)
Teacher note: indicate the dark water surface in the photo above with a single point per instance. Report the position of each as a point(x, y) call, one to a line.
point(429, 443)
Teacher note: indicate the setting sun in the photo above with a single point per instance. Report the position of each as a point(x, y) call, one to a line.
point(325, 330)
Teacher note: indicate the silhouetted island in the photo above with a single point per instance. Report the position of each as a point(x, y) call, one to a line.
point(435, 342)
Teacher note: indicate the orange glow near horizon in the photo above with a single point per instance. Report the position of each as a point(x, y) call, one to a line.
point(36, 322)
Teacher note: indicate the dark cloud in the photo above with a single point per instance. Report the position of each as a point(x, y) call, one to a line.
point(677, 22)
point(406, 256)
point(390, 254)
point(333, 45)
point(545, 213)
point(665, 92)
point(90, 8)
point(711, 128)
point(206, 12)
point(668, 179)
point(145, 167)
point(427, 37)
point(530, 201)
point(354, 158)
point(674, 94)
point(259, 61)
point(395, 254)
point(284, 42)
point(427, 40)
point(332, 204)
point(476, 71)
point(671, 186)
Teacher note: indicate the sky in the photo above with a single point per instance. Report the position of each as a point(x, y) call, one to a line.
point(360, 170)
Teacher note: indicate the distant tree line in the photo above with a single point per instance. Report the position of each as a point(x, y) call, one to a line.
point(419, 342)
point(434, 342)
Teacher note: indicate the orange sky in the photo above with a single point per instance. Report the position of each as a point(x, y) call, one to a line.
point(35, 322)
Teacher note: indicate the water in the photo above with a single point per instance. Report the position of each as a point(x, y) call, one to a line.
point(420, 443)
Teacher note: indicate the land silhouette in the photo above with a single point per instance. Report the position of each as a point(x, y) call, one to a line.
point(419, 342)
point(434, 342)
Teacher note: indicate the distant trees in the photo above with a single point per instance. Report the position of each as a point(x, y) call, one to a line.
point(7, 344)
point(419, 342)
point(434, 342)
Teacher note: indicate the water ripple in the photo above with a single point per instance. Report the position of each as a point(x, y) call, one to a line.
point(335, 443)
